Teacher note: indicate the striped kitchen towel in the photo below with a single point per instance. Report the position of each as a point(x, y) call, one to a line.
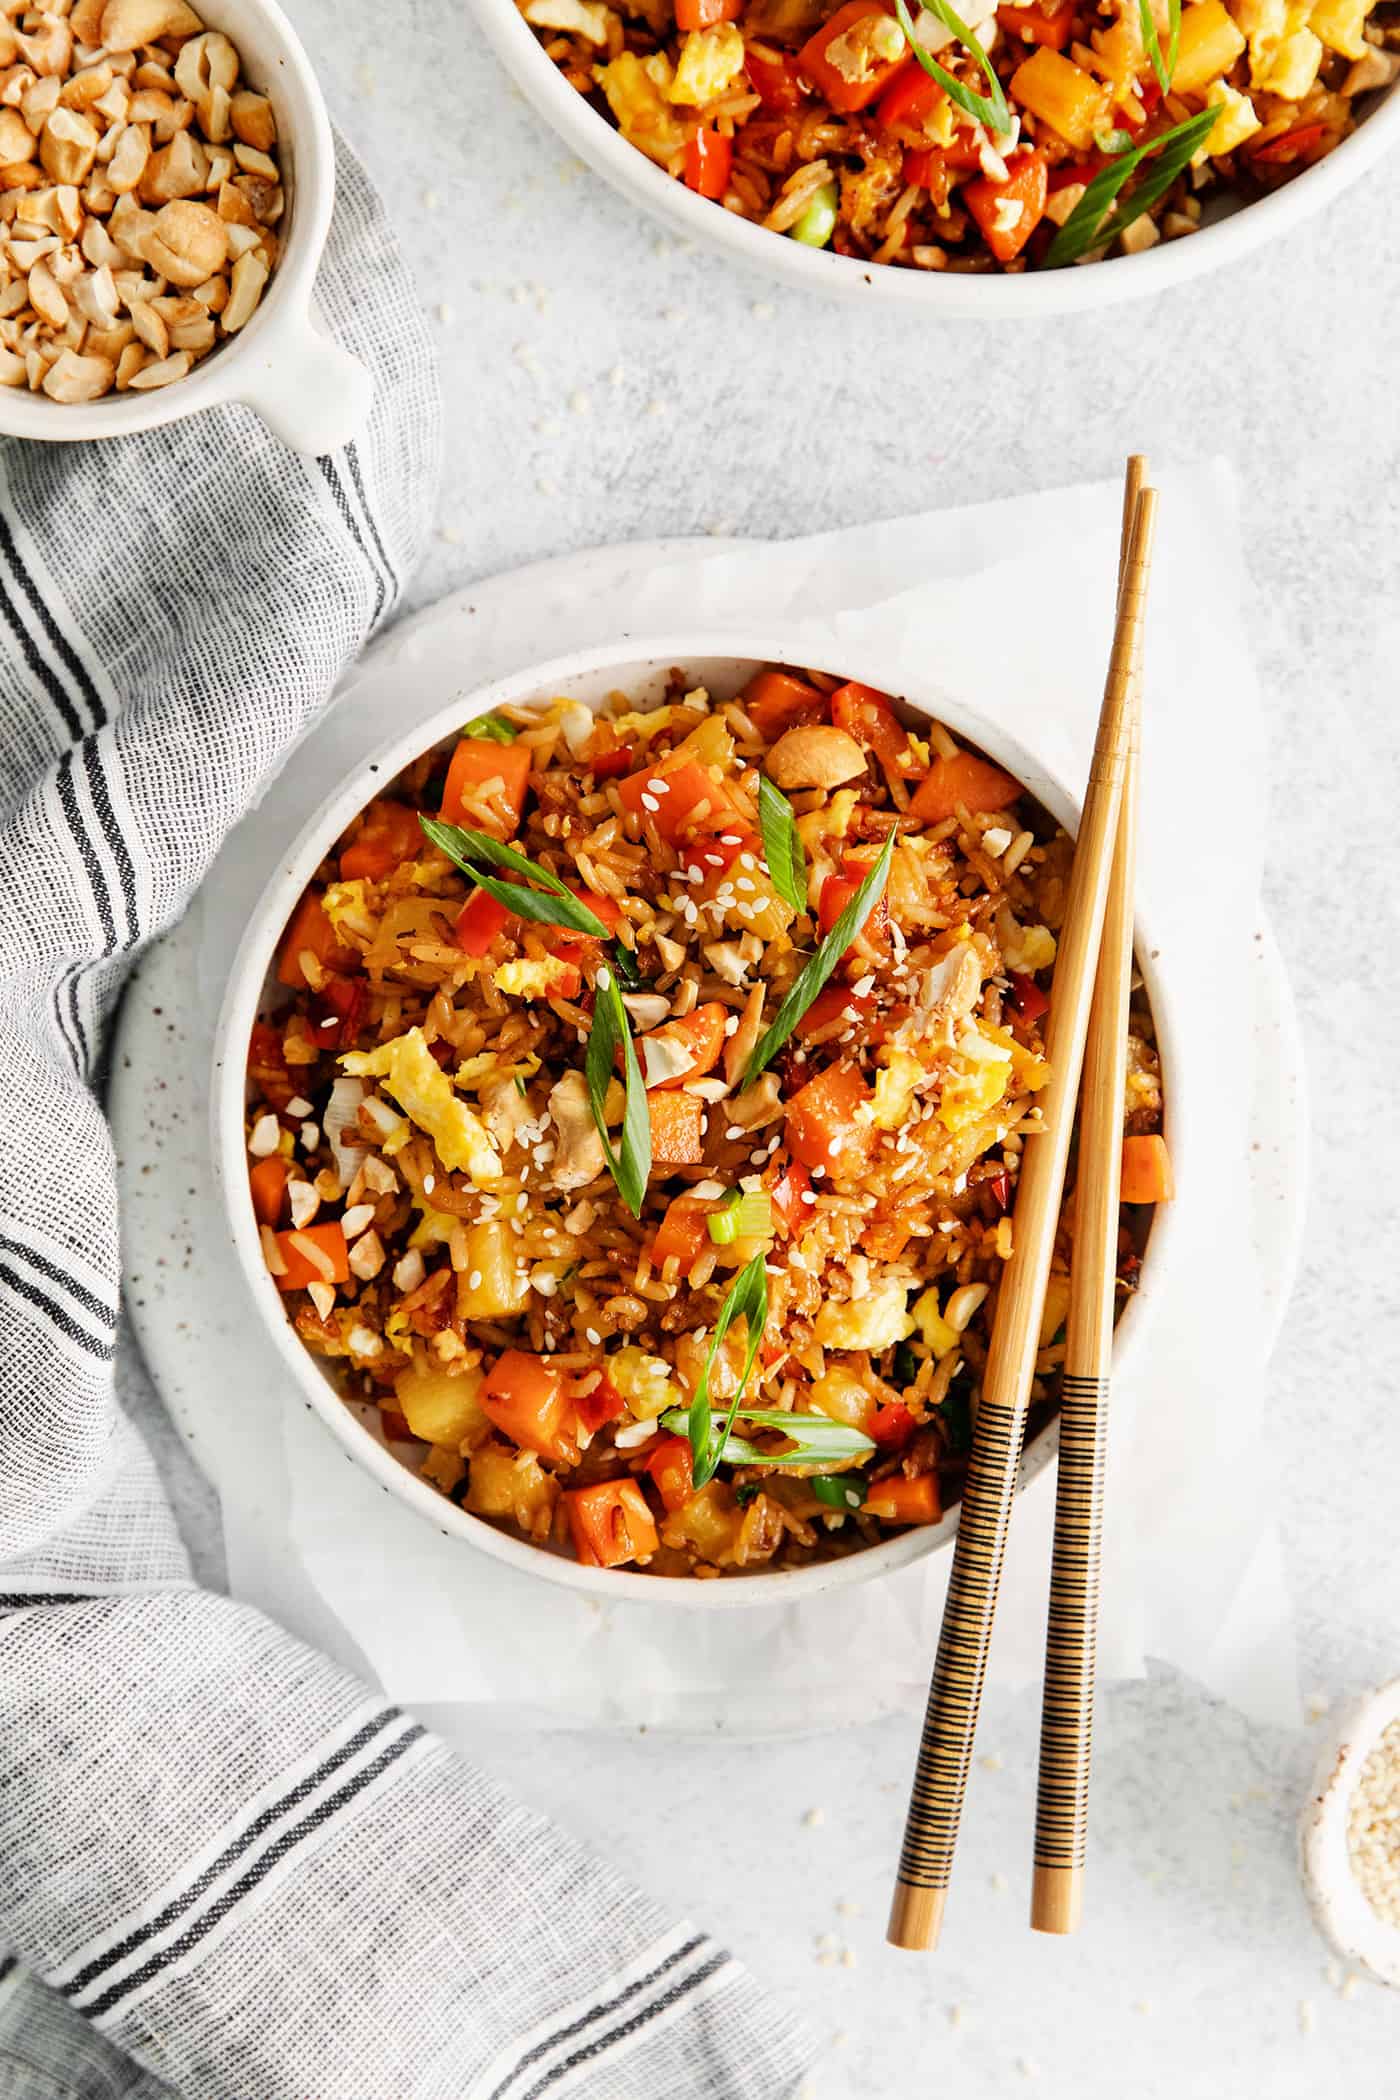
point(227, 1870)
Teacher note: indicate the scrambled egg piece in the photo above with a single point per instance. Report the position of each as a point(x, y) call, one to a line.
point(1236, 122)
point(972, 1086)
point(895, 1088)
point(1284, 53)
point(1339, 24)
point(1024, 948)
point(1291, 68)
point(347, 909)
point(934, 1330)
point(528, 979)
point(875, 1322)
point(637, 92)
point(424, 1092)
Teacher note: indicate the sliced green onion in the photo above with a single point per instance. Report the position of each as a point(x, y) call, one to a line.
point(905, 1368)
point(630, 1164)
point(494, 728)
point(1089, 225)
point(818, 222)
point(744, 1215)
point(1162, 67)
point(990, 110)
point(747, 1301)
point(955, 1413)
point(814, 975)
point(841, 1490)
point(782, 844)
point(558, 907)
point(814, 1439)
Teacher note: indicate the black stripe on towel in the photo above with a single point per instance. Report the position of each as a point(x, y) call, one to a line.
point(177, 1907)
point(57, 639)
point(99, 1309)
point(594, 2013)
point(352, 461)
point(259, 1870)
point(680, 1989)
point(114, 835)
point(43, 672)
point(63, 1321)
point(342, 504)
point(68, 797)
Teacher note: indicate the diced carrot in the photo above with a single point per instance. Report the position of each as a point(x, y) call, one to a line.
point(821, 1127)
point(310, 931)
point(682, 1235)
point(900, 1500)
point(603, 1403)
point(610, 1523)
point(668, 1461)
point(775, 701)
point(389, 834)
point(475, 762)
point(1033, 25)
point(316, 1254)
point(267, 1179)
point(709, 155)
point(863, 30)
point(479, 921)
point(525, 1398)
point(990, 204)
point(909, 101)
point(677, 1129)
point(699, 1037)
point(967, 779)
point(836, 1003)
point(790, 1192)
point(703, 14)
point(691, 800)
point(869, 717)
point(1147, 1171)
point(267, 1066)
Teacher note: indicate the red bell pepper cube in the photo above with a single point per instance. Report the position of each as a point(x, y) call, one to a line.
point(775, 79)
point(1028, 999)
point(479, 921)
point(603, 1404)
point(704, 14)
point(669, 1463)
point(708, 157)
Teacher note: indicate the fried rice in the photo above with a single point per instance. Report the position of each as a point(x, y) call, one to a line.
point(815, 121)
point(433, 1186)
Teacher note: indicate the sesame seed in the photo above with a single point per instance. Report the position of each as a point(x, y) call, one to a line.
point(429, 1184)
point(814, 1817)
point(474, 1280)
point(592, 1337)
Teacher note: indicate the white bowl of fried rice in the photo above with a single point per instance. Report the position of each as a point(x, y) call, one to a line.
point(730, 119)
point(488, 1306)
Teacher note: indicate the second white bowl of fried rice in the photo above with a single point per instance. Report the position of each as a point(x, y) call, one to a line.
point(516, 1175)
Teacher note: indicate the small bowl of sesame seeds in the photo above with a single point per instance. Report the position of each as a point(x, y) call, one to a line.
point(1351, 1834)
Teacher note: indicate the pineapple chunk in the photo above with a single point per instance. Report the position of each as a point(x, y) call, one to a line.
point(424, 1093)
point(1063, 95)
point(444, 1407)
point(1339, 24)
point(504, 1482)
point(644, 1382)
point(874, 1322)
point(495, 1284)
point(934, 1330)
point(895, 1088)
point(1210, 44)
point(636, 91)
point(841, 1395)
point(1291, 68)
point(1236, 122)
point(534, 978)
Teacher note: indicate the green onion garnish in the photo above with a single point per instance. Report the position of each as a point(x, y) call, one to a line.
point(558, 907)
point(494, 728)
point(744, 1215)
point(747, 1301)
point(1162, 67)
point(630, 1165)
point(1089, 226)
point(841, 1490)
point(782, 847)
point(814, 1439)
point(815, 973)
point(990, 110)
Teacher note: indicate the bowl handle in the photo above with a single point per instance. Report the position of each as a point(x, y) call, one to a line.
point(312, 394)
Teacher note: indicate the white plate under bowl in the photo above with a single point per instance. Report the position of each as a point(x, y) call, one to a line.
point(194, 1316)
point(1231, 232)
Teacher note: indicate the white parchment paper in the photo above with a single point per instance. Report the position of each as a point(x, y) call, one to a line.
point(1007, 609)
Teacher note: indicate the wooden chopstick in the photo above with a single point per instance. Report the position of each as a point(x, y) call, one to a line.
point(945, 1749)
point(1071, 1638)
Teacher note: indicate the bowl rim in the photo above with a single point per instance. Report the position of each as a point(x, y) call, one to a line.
point(308, 168)
point(632, 658)
point(957, 297)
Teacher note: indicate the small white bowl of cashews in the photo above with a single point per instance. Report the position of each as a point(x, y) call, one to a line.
point(166, 182)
